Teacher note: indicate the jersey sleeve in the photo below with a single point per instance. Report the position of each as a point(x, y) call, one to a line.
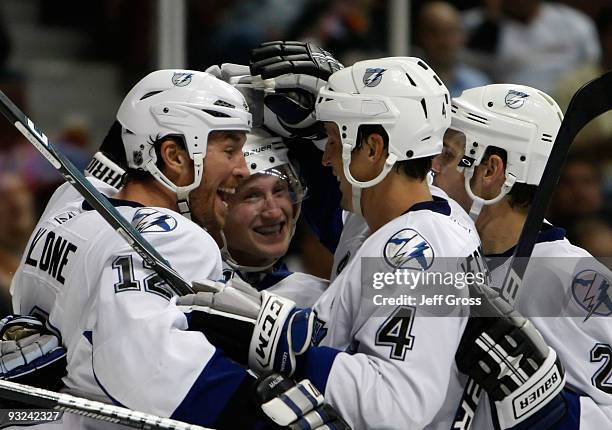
point(143, 355)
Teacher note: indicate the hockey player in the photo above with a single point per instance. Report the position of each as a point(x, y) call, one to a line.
point(127, 342)
point(492, 162)
point(261, 221)
point(387, 366)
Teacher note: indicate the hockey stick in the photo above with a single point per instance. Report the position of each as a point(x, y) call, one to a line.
point(99, 202)
point(590, 101)
point(97, 410)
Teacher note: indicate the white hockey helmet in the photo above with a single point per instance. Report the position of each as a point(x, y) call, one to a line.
point(521, 120)
point(402, 94)
point(266, 154)
point(180, 103)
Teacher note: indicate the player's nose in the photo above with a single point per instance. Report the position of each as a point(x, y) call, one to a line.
point(241, 170)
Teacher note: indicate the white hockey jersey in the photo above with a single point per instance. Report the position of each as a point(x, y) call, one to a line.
point(561, 285)
point(355, 231)
point(127, 341)
point(304, 289)
point(398, 371)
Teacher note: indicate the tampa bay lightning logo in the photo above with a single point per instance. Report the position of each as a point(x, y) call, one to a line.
point(373, 76)
point(593, 292)
point(515, 99)
point(148, 220)
point(407, 249)
point(181, 79)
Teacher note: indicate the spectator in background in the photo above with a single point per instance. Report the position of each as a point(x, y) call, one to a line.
point(595, 235)
point(578, 194)
point(601, 128)
point(441, 38)
point(18, 218)
point(352, 30)
point(530, 42)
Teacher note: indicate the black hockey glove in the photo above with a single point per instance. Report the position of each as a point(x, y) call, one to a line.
point(295, 406)
point(292, 72)
point(507, 356)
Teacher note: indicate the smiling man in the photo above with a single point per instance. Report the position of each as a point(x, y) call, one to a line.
point(181, 135)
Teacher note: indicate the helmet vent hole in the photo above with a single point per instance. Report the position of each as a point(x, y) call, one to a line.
point(438, 80)
point(446, 98)
point(411, 80)
point(224, 104)
point(344, 135)
point(271, 159)
point(547, 137)
point(409, 154)
point(423, 65)
point(424, 106)
point(253, 166)
point(490, 104)
point(215, 113)
point(152, 93)
point(425, 138)
point(344, 128)
point(166, 110)
point(477, 118)
point(523, 158)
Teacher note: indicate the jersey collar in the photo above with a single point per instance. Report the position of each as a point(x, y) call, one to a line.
point(438, 204)
point(115, 202)
point(549, 233)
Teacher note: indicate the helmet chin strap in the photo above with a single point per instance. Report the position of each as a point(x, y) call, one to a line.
point(479, 202)
point(182, 193)
point(358, 186)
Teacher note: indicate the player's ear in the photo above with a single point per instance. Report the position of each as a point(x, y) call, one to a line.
point(495, 170)
point(375, 147)
point(177, 165)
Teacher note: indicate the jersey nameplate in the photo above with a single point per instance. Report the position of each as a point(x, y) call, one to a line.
point(54, 255)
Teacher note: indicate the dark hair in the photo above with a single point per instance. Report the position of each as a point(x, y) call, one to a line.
point(521, 195)
point(140, 175)
point(416, 169)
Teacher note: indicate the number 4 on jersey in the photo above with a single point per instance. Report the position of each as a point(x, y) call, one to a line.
point(396, 332)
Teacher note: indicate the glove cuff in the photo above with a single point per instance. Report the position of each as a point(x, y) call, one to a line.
point(544, 384)
point(275, 311)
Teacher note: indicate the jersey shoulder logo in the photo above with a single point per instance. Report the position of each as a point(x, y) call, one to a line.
point(407, 249)
point(149, 220)
point(593, 292)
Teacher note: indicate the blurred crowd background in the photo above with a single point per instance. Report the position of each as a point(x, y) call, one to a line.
point(67, 64)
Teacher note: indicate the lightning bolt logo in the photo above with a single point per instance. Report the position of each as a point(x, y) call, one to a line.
point(405, 247)
point(592, 290)
point(181, 79)
point(149, 220)
point(373, 76)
